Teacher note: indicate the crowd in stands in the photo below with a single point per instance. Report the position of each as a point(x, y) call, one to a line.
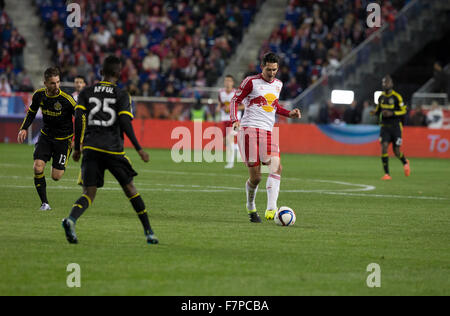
point(167, 46)
point(316, 35)
point(13, 76)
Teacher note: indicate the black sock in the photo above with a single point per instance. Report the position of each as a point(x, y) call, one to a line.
point(403, 159)
point(139, 207)
point(41, 186)
point(79, 207)
point(385, 160)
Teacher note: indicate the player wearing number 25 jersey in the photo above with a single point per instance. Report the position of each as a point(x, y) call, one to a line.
point(102, 115)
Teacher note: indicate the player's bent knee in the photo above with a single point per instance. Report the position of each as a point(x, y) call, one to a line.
point(38, 167)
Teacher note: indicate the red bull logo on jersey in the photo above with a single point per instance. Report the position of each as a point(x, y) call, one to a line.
point(266, 102)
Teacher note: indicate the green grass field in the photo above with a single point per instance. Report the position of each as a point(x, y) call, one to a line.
point(347, 218)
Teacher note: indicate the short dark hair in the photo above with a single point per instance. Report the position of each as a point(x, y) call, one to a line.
point(229, 76)
point(112, 66)
point(270, 58)
point(80, 77)
point(51, 72)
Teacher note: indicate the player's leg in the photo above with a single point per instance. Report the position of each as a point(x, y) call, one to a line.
point(92, 177)
point(230, 149)
point(78, 208)
point(385, 160)
point(399, 154)
point(42, 154)
point(139, 206)
point(248, 146)
point(120, 167)
point(251, 188)
point(273, 186)
point(61, 153)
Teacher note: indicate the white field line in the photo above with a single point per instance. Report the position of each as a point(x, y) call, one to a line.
point(160, 187)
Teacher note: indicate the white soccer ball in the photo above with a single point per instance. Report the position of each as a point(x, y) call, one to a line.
point(285, 216)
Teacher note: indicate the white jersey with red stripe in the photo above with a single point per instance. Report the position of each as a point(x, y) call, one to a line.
point(260, 98)
point(225, 101)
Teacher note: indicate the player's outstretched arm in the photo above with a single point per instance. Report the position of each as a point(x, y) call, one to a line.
point(127, 128)
point(295, 113)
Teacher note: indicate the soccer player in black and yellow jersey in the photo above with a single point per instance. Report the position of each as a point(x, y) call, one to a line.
point(56, 136)
point(391, 111)
point(102, 116)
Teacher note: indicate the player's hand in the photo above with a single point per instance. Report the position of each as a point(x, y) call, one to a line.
point(76, 155)
point(236, 126)
point(295, 113)
point(387, 113)
point(144, 156)
point(22, 136)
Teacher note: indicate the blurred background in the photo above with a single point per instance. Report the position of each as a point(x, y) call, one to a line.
point(176, 54)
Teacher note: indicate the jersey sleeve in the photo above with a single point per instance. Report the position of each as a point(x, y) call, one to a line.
point(82, 103)
point(401, 110)
point(244, 90)
point(124, 104)
point(281, 110)
point(32, 111)
point(80, 120)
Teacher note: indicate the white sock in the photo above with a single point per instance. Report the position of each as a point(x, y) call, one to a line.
point(230, 156)
point(230, 151)
point(251, 195)
point(273, 190)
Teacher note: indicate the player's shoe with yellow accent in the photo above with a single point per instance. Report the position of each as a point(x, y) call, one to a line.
point(253, 215)
point(270, 214)
point(407, 168)
point(386, 177)
point(45, 207)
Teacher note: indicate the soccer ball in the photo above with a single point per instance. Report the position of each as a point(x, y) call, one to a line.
point(285, 216)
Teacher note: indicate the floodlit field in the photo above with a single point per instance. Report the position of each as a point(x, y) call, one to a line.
point(347, 218)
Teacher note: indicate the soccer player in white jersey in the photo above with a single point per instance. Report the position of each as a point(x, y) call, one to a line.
point(260, 94)
point(225, 96)
point(79, 84)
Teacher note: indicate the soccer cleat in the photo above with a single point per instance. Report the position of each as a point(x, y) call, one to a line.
point(270, 214)
point(386, 177)
point(253, 215)
point(407, 169)
point(69, 228)
point(229, 166)
point(152, 239)
point(45, 207)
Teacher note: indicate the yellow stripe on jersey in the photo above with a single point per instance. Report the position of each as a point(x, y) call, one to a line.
point(38, 90)
point(69, 98)
point(127, 113)
point(104, 151)
point(64, 138)
point(83, 128)
point(79, 106)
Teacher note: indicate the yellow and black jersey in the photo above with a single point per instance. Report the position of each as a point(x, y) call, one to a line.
point(102, 104)
point(57, 113)
point(394, 103)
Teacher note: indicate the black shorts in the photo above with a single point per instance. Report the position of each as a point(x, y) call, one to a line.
point(49, 148)
point(391, 134)
point(95, 163)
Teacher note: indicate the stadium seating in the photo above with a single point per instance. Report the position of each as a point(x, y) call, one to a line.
point(316, 35)
point(178, 43)
point(11, 57)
